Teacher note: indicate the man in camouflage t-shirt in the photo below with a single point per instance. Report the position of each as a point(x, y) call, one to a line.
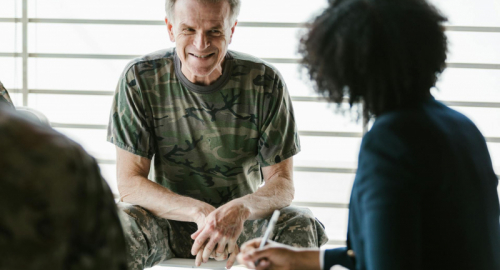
point(56, 211)
point(216, 124)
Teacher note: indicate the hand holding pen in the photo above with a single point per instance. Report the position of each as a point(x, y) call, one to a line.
point(264, 254)
point(269, 230)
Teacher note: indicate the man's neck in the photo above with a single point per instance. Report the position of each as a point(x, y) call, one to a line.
point(203, 80)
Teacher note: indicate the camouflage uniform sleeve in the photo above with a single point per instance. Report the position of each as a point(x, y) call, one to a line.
point(4, 96)
point(128, 126)
point(279, 135)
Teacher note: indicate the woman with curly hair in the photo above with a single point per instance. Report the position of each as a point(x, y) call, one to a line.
point(425, 193)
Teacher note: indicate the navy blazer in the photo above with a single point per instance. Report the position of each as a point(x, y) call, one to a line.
point(424, 197)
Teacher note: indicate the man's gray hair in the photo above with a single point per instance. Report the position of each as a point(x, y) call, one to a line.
point(233, 14)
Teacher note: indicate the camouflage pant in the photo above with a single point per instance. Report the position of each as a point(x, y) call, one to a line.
point(151, 239)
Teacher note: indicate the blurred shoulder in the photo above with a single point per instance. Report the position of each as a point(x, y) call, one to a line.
point(24, 139)
point(430, 115)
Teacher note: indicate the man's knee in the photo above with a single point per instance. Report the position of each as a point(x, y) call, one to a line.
point(134, 220)
point(298, 227)
point(139, 223)
point(297, 214)
point(134, 211)
point(146, 241)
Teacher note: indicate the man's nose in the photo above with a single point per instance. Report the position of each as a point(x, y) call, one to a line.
point(201, 41)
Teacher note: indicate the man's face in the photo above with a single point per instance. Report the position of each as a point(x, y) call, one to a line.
point(201, 32)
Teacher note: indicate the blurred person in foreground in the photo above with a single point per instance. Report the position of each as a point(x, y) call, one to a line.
point(56, 210)
point(215, 125)
point(425, 193)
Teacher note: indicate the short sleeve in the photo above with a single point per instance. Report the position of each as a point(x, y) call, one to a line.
point(4, 96)
point(128, 126)
point(279, 139)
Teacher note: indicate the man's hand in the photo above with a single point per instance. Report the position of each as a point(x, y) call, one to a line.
point(277, 256)
point(220, 232)
point(200, 221)
point(221, 257)
point(203, 212)
point(224, 225)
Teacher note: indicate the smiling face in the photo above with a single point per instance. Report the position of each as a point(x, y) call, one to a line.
point(202, 33)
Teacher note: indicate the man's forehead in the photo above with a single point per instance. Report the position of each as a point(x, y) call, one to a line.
point(204, 23)
point(194, 10)
point(194, 19)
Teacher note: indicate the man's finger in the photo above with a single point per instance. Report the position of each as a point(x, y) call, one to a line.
point(199, 242)
point(195, 234)
point(222, 257)
point(199, 258)
point(232, 258)
point(209, 249)
point(231, 245)
point(221, 246)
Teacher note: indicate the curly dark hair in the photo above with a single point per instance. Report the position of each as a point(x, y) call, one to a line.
point(386, 53)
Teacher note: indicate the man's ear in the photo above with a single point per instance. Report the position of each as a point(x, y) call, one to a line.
point(232, 31)
point(170, 30)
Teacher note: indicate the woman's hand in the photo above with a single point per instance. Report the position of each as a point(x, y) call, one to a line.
point(272, 256)
point(276, 256)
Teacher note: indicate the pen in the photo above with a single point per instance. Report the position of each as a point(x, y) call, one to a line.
point(269, 229)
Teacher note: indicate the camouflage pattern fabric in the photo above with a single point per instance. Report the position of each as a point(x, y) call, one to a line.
point(4, 96)
point(56, 210)
point(151, 239)
point(209, 142)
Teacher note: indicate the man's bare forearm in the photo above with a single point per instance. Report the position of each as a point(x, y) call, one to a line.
point(161, 201)
point(268, 198)
point(135, 188)
point(278, 192)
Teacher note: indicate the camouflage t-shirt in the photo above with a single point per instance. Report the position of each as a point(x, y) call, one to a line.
point(208, 142)
point(4, 96)
point(56, 211)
